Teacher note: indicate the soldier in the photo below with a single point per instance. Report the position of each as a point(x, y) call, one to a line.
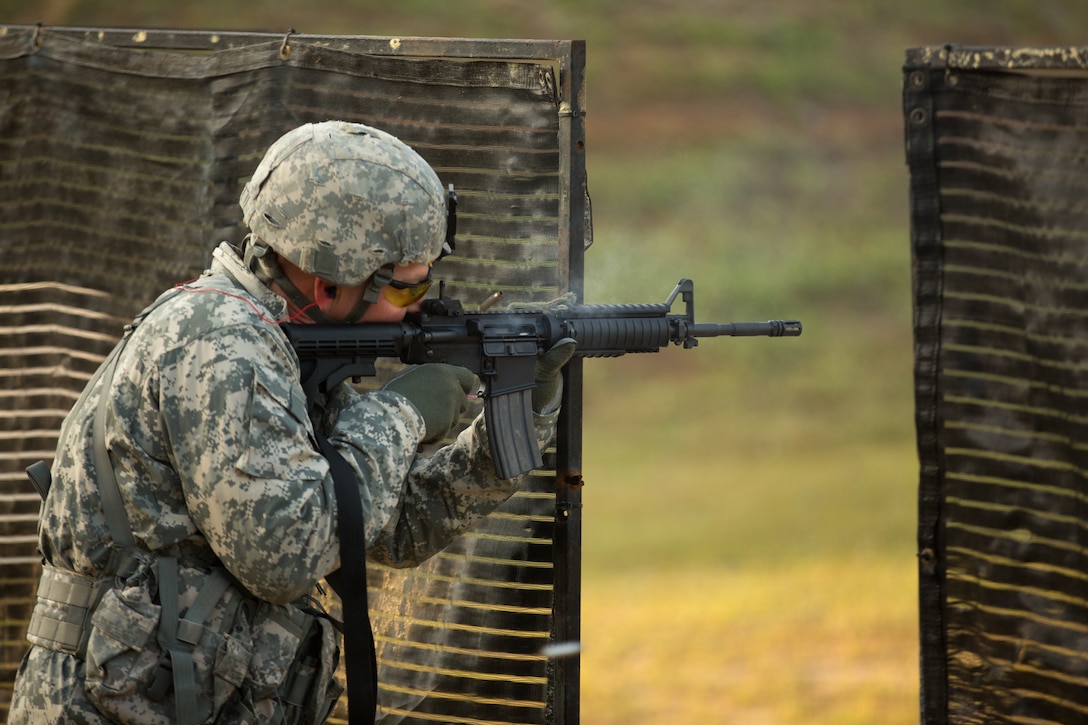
point(192, 511)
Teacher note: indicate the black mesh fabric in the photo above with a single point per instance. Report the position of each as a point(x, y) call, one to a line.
point(997, 145)
point(121, 165)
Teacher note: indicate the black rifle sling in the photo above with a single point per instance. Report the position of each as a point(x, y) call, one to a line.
point(349, 582)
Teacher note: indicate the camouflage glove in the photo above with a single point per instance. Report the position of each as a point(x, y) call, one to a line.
point(549, 365)
point(549, 373)
point(439, 392)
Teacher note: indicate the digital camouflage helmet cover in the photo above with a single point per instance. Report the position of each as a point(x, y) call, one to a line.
point(342, 200)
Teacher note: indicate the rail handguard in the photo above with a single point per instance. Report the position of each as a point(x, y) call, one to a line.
point(502, 348)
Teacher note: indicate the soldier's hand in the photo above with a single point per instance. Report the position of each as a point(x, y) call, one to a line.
point(549, 375)
point(439, 392)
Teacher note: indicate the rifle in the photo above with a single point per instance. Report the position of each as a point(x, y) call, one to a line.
point(502, 348)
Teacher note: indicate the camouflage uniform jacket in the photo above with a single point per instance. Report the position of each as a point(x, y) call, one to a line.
point(215, 457)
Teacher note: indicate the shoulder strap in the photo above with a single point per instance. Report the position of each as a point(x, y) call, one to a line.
point(110, 494)
point(112, 505)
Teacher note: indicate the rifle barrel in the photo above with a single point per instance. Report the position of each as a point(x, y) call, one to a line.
point(771, 328)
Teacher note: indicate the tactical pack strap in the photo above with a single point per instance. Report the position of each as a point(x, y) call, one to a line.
point(112, 505)
point(181, 672)
point(192, 624)
point(185, 702)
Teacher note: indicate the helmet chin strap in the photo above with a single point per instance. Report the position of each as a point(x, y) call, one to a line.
point(370, 295)
point(267, 268)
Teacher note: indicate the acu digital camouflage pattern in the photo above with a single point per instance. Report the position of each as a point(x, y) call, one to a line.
point(215, 457)
point(341, 200)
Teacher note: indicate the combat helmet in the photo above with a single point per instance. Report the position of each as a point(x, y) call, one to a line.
point(343, 200)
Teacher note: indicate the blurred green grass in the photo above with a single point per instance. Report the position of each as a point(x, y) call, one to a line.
point(755, 451)
point(749, 505)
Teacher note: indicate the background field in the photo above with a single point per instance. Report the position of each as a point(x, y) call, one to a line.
point(749, 506)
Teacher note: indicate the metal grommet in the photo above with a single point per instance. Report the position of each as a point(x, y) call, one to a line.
point(285, 48)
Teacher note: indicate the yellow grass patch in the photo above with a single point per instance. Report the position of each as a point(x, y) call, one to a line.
point(815, 642)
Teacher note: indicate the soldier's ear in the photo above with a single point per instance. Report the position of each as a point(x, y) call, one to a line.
point(324, 294)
